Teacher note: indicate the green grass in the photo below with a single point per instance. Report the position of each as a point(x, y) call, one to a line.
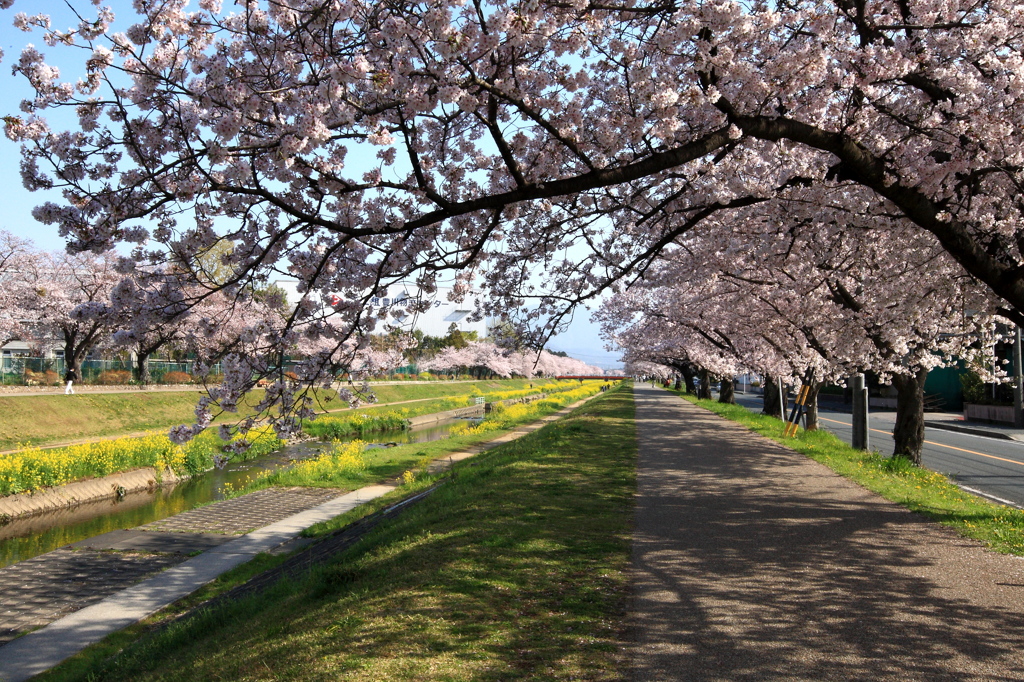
point(918, 489)
point(385, 463)
point(42, 419)
point(512, 570)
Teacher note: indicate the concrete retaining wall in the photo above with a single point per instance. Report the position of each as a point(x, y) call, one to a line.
point(75, 493)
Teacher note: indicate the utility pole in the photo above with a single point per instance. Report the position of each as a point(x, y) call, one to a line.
point(1018, 383)
point(860, 439)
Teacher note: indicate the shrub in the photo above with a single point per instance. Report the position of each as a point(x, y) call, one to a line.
point(31, 469)
point(114, 377)
point(209, 379)
point(978, 392)
point(47, 378)
point(176, 378)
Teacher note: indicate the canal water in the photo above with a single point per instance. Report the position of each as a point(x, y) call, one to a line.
point(31, 536)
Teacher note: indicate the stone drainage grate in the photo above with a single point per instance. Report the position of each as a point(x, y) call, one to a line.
point(42, 589)
point(243, 514)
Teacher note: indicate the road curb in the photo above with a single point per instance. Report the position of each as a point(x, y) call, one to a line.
point(973, 431)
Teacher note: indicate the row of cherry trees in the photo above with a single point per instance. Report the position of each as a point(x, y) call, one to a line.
point(79, 302)
point(810, 302)
point(548, 152)
point(507, 363)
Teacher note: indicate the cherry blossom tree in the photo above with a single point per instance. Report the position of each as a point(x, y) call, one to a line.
point(67, 302)
point(576, 139)
point(14, 256)
point(506, 363)
point(790, 302)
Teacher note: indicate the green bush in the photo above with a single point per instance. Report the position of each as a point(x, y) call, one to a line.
point(980, 393)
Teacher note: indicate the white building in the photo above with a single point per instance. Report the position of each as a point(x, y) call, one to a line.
point(435, 321)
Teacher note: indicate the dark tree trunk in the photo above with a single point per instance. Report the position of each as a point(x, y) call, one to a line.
point(689, 380)
point(727, 394)
point(811, 407)
point(773, 406)
point(142, 368)
point(704, 390)
point(909, 430)
point(77, 344)
point(72, 359)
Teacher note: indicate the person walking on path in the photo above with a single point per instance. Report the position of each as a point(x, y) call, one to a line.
point(750, 561)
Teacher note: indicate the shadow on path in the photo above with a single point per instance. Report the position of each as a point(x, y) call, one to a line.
point(752, 562)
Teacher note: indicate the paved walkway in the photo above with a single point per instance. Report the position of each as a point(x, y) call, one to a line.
point(752, 562)
point(42, 589)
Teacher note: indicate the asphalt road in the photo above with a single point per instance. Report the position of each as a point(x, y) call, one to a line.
point(990, 466)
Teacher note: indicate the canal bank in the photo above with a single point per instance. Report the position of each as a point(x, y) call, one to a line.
point(66, 515)
point(39, 650)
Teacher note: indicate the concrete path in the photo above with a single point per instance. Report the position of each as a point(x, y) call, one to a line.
point(752, 562)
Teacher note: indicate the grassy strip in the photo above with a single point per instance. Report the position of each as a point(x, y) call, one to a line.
point(375, 420)
point(440, 389)
point(42, 419)
point(920, 490)
point(31, 469)
point(360, 424)
point(349, 467)
point(514, 569)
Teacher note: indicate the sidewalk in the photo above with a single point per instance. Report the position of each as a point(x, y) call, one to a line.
point(752, 562)
point(22, 391)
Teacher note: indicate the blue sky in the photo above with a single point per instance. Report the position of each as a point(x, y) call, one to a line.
point(581, 341)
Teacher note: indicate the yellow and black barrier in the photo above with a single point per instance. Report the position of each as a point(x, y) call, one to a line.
point(799, 405)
